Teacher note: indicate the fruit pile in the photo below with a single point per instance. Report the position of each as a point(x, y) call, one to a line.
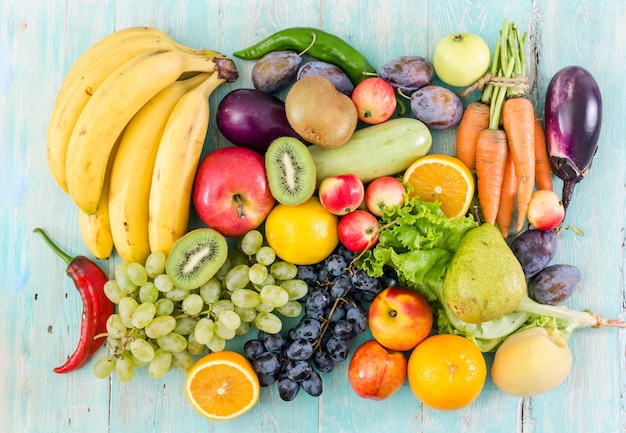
point(327, 209)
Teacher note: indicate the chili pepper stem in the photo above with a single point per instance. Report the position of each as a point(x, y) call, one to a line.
point(59, 252)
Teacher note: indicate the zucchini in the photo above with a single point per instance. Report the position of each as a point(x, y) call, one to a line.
point(384, 149)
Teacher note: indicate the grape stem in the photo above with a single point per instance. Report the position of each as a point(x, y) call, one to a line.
point(326, 321)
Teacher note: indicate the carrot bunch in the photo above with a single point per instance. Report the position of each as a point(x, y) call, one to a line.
point(502, 139)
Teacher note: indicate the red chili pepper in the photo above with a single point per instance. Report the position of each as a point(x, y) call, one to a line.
point(89, 279)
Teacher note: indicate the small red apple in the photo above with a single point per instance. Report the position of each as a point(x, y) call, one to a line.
point(375, 372)
point(400, 318)
point(375, 100)
point(341, 194)
point(545, 210)
point(385, 191)
point(231, 193)
point(358, 231)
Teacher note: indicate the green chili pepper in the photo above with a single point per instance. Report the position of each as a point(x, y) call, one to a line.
point(326, 47)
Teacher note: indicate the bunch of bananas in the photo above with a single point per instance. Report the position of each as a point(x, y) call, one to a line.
point(126, 134)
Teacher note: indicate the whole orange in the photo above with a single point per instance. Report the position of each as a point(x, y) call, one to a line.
point(446, 372)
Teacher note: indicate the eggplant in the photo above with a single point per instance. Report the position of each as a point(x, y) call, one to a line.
point(573, 118)
point(253, 119)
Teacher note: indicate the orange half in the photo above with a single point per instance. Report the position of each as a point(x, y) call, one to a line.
point(444, 179)
point(222, 385)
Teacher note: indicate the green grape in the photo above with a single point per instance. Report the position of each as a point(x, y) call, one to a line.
point(164, 307)
point(114, 343)
point(216, 343)
point(137, 274)
point(177, 294)
point(124, 369)
point(243, 329)
point(182, 360)
point(290, 309)
point(223, 270)
point(229, 319)
point(237, 258)
point(163, 283)
point(296, 288)
point(155, 263)
point(211, 291)
point(193, 346)
point(126, 309)
point(104, 367)
point(237, 278)
point(283, 270)
point(246, 314)
point(172, 342)
point(123, 279)
point(113, 292)
point(245, 298)
point(266, 255)
point(268, 322)
point(192, 304)
point(115, 326)
point(257, 273)
point(148, 292)
point(160, 364)
point(142, 350)
point(264, 308)
point(203, 332)
point(274, 296)
point(160, 326)
point(185, 325)
point(266, 282)
point(143, 314)
point(136, 362)
point(221, 305)
point(224, 332)
point(251, 242)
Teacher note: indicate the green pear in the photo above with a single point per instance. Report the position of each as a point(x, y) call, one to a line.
point(484, 279)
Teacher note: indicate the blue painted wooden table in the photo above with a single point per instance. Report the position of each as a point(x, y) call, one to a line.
point(40, 309)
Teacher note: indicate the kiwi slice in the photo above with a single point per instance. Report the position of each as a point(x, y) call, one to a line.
point(196, 257)
point(290, 171)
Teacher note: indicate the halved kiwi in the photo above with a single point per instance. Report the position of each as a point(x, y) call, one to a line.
point(196, 257)
point(290, 171)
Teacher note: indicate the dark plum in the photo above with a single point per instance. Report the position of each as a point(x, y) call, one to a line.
point(408, 73)
point(275, 70)
point(436, 106)
point(332, 73)
point(535, 250)
point(554, 284)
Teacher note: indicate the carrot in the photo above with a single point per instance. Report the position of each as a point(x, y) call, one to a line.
point(491, 154)
point(543, 170)
point(518, 120)
point(475, 119)
point(507, 197)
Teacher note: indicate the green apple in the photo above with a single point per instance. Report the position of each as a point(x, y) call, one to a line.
point(460, 59)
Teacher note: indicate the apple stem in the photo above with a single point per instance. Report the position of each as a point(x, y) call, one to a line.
point(240, 210)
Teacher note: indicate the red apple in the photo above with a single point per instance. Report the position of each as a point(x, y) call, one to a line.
point(545, 210)
point(375, 372)
point(358, 231)
point(400, 318)
point(341, 194)
point(385, 191)
point(231, 193)
point(375, 100)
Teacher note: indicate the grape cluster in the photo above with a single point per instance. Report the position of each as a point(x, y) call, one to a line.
point(160, 325)
point(334, 313)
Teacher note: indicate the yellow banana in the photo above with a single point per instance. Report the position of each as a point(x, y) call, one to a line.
point(84, 77)
point(177, 160)
point(132, 171)
point(108, 111)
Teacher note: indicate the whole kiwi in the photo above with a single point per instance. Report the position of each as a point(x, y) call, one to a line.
point(319, 113)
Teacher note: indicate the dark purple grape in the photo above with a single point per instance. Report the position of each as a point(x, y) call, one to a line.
point(408, 73)
point(308, 329)
point(358, 317)
point(534, 249)
point(313, 384)
point(336, 264)
point(337, 349)
point(267, 363)
point(299, 350)
point(253, 348)
point(323, 362)
point(318, 300)
point(389, 277)
point(287, 388)
point(342, 329)
point(329, 71)
point(337, 314)
point(307, 273)
point(266, 379)
point(554, 284)
point(437, 107)
point(275, 70)
point(341, 286)
point(362, 281)
point(298, 370)
point(274, 342)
